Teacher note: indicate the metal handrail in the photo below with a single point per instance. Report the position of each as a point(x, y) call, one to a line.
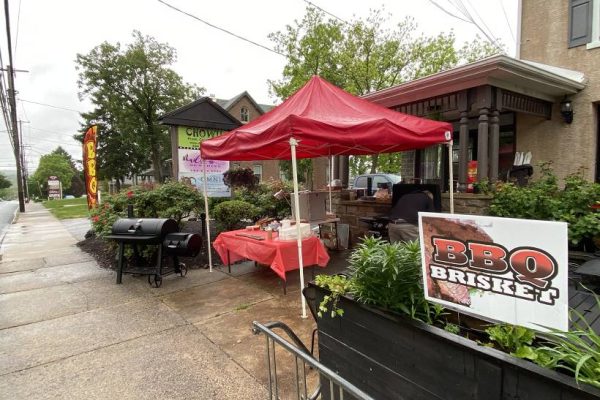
point(301, 353)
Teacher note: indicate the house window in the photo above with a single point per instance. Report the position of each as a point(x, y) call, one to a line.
point(244, 115)
point(257, 168)
point(584, 23)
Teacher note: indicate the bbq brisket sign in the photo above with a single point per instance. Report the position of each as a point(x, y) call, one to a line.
point(503, 269)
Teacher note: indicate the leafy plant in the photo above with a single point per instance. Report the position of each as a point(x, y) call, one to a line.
point(576, 351)
point(229, 214)
point(389, 276)
point(452, 328)
point(338, 285)
point(171, 200)
point(544, 200)
point(516, 340)
point(261, 196)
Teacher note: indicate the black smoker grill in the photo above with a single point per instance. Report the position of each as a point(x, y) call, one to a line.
point(160, 232)
point(378, 225)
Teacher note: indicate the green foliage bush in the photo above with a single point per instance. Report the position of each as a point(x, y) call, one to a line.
point(544, 200)
point(229, 214)
point(261, 196)
point(170, 200)
point(384, 275)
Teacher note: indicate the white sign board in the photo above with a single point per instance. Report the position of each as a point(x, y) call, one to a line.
point(191, 171)
point(503, 269)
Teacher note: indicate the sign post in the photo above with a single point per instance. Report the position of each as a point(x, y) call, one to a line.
point(503, 269)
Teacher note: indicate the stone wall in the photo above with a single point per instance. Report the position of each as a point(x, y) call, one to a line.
point(467, 203)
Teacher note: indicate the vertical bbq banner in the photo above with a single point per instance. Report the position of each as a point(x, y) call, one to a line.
point(191, 169)
point(89, 166)
point(503, 269)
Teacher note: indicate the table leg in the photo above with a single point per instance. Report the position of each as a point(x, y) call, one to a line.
point(284, 286)
point(120, 265)
point(337, 237)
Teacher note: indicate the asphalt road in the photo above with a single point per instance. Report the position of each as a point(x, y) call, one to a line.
point(7, 212)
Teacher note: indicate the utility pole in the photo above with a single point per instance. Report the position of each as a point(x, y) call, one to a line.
point(23, 165)
point(13, 112)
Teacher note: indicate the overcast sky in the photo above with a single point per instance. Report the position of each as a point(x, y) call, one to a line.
point(47, 35)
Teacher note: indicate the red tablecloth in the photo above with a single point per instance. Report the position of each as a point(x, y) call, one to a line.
point(281, 255)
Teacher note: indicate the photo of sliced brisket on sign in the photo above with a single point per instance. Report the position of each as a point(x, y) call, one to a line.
point(435, 227)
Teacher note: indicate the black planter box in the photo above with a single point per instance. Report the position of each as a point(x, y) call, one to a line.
point(390, 357)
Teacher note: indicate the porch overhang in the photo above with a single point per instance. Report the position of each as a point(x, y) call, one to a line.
point(537, 80)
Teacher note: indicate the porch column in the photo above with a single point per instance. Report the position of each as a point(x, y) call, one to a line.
point(482, 145)
point(494, 145)
point(463, 146)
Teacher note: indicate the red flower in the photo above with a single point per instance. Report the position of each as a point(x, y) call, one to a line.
point(95, 218)
point(130, 194)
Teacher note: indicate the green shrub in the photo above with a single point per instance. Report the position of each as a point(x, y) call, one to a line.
point(229, 214)
point(390, 276)
point(262, 197)
point(544, 200)
point(170, 200)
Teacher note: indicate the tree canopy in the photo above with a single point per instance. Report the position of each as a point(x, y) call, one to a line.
point(365, 55)
point(4, 182)
point(130, 87)
point(56, 164)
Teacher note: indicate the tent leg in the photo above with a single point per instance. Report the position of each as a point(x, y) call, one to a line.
point(451, 177)
point(293, 144)
point(208, 249)
point(330, 180)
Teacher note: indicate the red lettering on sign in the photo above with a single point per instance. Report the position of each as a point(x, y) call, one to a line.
point(488, 257)
point(449, 251)
point(533, 266)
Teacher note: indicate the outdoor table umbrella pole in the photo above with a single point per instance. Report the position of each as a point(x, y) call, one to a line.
point(293, 144)
point(208, 249)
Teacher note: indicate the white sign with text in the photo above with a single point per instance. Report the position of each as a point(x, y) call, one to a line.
point(503, 269)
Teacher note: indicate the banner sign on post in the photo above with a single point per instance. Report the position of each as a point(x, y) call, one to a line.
point(504, 269)
point(191, 169)
point(89, 166)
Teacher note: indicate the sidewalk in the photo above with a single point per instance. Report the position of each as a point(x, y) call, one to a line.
point(68, 331)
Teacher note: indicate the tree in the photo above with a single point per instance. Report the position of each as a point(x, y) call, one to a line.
point(4, 183)
point(364, 56)
point(53, 164)
point(77, 187)
point(130, 88)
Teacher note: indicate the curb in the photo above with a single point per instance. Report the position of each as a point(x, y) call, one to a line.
point(3, 233)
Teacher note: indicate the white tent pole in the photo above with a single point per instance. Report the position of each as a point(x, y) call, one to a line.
point(293, 144)
point(208, 249)
point(330, 181)
point(451, 178)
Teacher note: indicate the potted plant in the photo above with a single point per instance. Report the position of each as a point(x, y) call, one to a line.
point(377, 331)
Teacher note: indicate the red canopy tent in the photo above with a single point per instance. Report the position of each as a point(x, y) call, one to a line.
point(326, 121)
point(320, 120)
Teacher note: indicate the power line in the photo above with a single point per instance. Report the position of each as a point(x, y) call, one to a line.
point(507, 21)
point(222, 29)
point(327, 12)
point(52, 106)
point(17, 34)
